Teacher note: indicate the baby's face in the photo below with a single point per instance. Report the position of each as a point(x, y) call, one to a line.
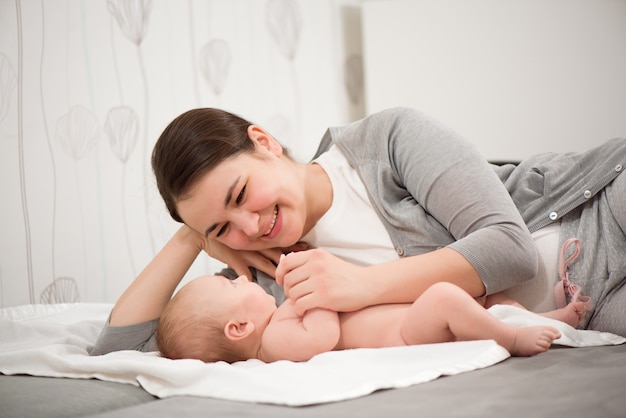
point(232, 297)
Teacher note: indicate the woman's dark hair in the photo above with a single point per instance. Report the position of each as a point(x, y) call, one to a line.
point(193, 144)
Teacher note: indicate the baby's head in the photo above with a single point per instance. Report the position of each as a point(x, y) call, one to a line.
point(213, 318)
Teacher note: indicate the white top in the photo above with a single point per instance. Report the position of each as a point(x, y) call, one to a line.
point(351, 225)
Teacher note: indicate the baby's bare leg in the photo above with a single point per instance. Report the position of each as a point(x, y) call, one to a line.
point(447, 313)
point(572, 314)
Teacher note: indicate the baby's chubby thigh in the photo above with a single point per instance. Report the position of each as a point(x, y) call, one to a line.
point(427, 319)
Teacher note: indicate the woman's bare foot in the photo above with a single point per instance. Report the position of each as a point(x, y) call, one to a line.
point(572, 314)
point(533, 340)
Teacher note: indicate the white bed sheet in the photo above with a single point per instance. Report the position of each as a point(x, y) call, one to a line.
point(53, 341)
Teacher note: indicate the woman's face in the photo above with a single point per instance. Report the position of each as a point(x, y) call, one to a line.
point(252, 201)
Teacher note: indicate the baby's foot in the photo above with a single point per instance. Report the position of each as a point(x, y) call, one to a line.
point(533, 340)
point(572, 314)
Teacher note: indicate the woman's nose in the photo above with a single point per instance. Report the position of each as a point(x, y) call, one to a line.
point(248, 222)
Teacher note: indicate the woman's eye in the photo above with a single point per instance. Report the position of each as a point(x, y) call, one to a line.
point(222, 230)
point(241, 195)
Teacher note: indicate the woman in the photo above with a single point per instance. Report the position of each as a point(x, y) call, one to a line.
point(395, 195)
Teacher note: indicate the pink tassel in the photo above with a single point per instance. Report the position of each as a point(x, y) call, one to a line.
point(565, 287)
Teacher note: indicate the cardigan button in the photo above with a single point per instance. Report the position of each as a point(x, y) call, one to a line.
point(400, 251)
point(587, 194)
point(618, 168)
point(553, 216)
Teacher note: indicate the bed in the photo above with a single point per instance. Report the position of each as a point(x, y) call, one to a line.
point(581, 382)
point(582, 379)
point(46, 372)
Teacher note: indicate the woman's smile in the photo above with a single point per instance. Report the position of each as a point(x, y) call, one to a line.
point(275, 224)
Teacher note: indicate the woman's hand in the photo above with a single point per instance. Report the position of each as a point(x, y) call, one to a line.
point(242, 260)
point(318, 279)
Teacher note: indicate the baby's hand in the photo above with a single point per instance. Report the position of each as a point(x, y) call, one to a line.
point(317, 279)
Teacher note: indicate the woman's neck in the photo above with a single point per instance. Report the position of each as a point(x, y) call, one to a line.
point(318, 194)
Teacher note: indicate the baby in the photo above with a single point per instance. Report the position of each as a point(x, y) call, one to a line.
point(213, 318)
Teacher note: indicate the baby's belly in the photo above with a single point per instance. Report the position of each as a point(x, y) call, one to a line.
point(372, 327)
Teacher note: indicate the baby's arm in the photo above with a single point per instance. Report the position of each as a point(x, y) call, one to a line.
point(298, 338)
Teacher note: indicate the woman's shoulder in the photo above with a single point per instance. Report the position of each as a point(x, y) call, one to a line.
point(373, 124)
point(372, 135)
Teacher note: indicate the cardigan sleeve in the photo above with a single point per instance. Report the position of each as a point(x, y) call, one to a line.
point(450, 192)
point(140, 337)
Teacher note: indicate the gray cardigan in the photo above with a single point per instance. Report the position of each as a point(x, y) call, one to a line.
point(431, 188)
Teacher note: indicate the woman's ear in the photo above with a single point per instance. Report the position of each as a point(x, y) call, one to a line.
point(236, 330)
point(264, 140)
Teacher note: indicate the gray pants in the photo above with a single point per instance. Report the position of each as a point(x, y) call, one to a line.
point(600, 270)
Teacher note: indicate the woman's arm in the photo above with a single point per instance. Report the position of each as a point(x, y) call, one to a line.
point(458, 202)
point(458, 190)
point(316, 278)
point(146, 297)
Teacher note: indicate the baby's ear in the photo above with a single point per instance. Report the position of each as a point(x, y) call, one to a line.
point(236, 330)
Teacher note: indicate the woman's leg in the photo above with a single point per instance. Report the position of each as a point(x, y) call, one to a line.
point(610, 313)
point(447, 313)
point(600, 270)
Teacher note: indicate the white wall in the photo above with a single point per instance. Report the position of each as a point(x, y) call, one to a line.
point(80, 203)
point(516, 77)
